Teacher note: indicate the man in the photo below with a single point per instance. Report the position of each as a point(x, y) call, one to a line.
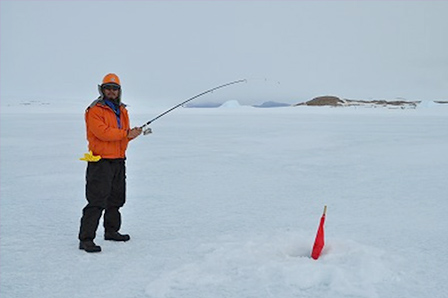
point(108, 134)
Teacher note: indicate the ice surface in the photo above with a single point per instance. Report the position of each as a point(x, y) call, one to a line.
point(226, 203)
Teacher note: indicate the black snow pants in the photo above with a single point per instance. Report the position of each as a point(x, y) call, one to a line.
point(105, 190)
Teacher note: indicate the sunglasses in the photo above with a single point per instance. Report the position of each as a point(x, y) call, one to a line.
point(111, 87)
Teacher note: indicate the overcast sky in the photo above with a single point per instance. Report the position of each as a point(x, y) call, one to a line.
point(168, 51)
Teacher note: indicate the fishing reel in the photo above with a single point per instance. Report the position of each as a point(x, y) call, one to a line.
point(146, 130)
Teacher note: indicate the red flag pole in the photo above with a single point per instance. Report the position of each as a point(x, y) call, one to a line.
point(320, 241)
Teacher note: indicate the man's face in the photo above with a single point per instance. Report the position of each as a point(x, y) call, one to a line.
point(111, 91)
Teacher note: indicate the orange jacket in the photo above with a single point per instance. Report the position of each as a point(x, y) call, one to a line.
point(104, 136)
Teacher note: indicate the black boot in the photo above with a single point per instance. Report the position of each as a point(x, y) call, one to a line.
point(115, 236)
point(89, 246)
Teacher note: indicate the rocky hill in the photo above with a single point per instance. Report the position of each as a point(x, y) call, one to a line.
point(340, 102)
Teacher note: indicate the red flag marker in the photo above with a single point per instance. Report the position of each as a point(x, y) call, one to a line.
point(319, 242)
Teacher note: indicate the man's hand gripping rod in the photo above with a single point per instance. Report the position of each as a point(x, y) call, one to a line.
point(147, 130)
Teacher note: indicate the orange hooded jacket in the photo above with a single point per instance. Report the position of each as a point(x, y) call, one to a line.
point(105, 138)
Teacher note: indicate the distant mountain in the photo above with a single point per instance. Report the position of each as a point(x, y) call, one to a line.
point(203, 105)
point(272, 104)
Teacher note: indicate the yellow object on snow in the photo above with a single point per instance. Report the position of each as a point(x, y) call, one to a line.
point(90, 157)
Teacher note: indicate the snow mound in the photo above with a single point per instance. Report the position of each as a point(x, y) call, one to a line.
point(430, 104)
point(280, 265)
point(231, 104)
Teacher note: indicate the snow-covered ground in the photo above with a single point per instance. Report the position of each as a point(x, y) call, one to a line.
point(226, 202)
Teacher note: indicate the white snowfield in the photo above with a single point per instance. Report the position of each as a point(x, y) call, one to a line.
point(226, 203)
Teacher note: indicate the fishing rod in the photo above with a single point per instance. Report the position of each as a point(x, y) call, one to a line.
point(147, 129)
